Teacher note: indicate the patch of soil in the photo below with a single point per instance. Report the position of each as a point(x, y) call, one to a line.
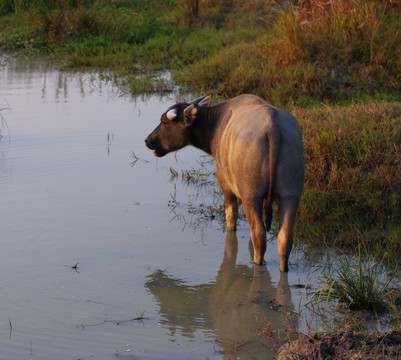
point(344, 346)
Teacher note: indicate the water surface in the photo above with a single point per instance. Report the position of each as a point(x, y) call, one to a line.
point(78, 187)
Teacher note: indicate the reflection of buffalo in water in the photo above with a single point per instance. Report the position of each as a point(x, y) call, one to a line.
point(229, 307)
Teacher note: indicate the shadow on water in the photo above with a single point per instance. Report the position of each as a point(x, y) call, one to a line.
point(229, 308)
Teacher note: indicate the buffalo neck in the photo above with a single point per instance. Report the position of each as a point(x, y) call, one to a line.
point(208, 123)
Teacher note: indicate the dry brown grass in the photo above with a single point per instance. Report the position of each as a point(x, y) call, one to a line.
point(344, 346)
point(353, 173)
point(318, 50)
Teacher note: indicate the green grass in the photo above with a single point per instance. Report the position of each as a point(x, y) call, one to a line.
point(321, 52)
point(288, 54)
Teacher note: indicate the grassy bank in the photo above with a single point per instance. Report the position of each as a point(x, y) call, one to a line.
point(129, 38)
point(352, 187)
point(317, 51)
point(291, 54)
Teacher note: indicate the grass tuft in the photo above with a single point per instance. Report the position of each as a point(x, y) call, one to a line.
point(360, 282)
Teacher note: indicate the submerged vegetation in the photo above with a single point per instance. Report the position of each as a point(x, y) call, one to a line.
point(3, 122)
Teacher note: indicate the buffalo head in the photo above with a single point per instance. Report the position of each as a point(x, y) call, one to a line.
point(173, 132)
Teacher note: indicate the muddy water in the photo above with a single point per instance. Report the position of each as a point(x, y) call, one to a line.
point(78, 187)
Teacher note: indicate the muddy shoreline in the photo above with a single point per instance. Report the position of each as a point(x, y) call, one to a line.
point(343, 345)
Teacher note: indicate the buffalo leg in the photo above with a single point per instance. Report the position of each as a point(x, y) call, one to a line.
point(231, 207)
point(253, 211)
point(287, 211)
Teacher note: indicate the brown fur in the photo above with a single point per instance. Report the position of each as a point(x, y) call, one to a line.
point(259, 158)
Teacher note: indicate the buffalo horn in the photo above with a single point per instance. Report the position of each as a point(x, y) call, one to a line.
point(171, 114)
point(198, 100)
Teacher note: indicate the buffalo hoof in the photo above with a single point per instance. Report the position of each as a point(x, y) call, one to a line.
point(284, 263)
point(258, 260)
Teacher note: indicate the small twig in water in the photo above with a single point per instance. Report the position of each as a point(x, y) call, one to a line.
point(11, 326)
point(140, 317)
point(75, 267)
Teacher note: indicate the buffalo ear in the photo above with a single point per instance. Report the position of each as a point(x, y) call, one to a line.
point(191, 110)
point(190, 114)
point(205, 100)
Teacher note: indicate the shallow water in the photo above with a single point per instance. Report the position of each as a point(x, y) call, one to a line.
point(71, 195)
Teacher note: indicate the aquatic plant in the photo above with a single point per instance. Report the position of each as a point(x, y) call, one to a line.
point(206, 202)
point(3, 122)
point(359, 282)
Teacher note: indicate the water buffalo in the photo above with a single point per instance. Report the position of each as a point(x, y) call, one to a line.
point(259, 157)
